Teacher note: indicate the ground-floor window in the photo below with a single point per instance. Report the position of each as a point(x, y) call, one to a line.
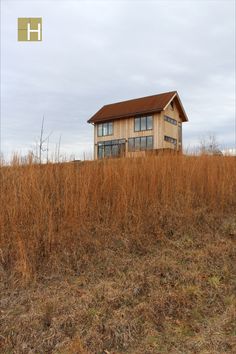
point(180, 134)
point(111, 148)
point(170, 139)
point(140, 143)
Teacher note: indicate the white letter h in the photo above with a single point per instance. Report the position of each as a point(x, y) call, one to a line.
point(30, 30)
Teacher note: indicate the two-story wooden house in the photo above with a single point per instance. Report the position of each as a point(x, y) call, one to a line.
point(132, 127)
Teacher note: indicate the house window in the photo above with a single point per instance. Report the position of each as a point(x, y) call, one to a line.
point(143, 123)
point(136, 144)
point(180, 134)
point(100, 151)
point(140, 143)
point(172, 105)
point(111, 148)
point(131, 146)
point(149, 122)
point(170, 140)
point(107, 151)
point(149, 142)
point(99, 129)
point(170, 120)
point(105, 129)
point(115, 150)
point(143, 143)
point(137, 124)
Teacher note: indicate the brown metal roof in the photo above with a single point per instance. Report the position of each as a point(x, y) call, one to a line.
point(130, 108)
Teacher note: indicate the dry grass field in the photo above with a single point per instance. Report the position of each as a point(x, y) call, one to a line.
point(119, 256)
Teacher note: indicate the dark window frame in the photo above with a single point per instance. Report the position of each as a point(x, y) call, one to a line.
point(131, 144)
point(135, 143)
point(105, 125)
point(171, 140)
point(140, 119)
point(102, 146)
point(170, 120)
point(147, 142)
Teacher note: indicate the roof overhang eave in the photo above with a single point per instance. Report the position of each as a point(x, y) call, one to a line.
point(124, 116)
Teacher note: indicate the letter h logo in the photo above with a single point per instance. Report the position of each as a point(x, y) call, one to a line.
point(29, 29)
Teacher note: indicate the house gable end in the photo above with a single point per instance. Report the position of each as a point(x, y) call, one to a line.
point(176, 99)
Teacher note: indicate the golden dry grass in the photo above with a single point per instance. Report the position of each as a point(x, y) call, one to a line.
point(118, 256)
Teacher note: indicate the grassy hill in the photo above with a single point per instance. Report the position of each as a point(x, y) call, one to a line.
point(119, 256)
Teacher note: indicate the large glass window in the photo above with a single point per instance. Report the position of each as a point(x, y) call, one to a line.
point(143, 123)
point(143, 143)
point(115, 150)
point(100, 151)
point(105, 129)
point(111, 148)
point(137, 144)
point(107, 151)
point(140, 143)
point(149, 142)
point(110, 128)
point(99, 129)
point(137, 124)
point(131, 144)
point(149, 122)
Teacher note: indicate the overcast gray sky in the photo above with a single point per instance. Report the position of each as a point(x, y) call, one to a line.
point(99, 52)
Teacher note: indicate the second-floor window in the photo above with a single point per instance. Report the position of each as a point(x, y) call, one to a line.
point(105, 129)
point(170, 120)
point(143, 123)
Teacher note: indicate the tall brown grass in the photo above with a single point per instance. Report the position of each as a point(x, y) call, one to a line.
point(55, 217)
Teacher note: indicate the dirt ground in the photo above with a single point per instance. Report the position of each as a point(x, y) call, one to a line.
point(175, 294)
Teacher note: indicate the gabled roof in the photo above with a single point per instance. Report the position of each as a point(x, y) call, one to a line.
point(143, 105)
